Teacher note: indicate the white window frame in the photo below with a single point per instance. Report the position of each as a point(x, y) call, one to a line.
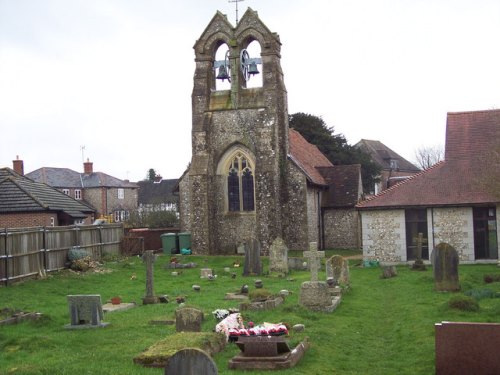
point(121, 193)
point(78, 194)
point(65, 191)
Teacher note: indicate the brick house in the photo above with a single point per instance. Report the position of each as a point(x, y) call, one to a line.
point(27, 203)
point(109, 195)
point(250, 176)
point(394, 168)
point(455, 201)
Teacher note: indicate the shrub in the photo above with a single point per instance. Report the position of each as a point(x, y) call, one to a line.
point(479, 294)
point(491, 278)
point(76, 253)
point(463, 303)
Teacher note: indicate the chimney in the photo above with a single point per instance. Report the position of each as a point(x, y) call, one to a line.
point(18, 166)
point(87, 167)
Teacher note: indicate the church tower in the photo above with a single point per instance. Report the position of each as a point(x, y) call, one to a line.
point(234, 187)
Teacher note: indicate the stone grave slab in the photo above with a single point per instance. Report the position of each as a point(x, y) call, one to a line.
point(266, 353)
point(188, 319)
point(110, 307)
point(85, 311)
point(205, 273)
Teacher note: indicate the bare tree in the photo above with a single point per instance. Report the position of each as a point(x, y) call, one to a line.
point(427, 156)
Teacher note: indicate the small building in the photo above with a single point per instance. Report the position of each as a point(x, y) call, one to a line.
point(394, 168)
point(27, 203)
point(110, 196)
point(455, 201)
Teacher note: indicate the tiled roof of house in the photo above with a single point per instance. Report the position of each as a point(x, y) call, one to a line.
point(344, 185)
point(307, 157)
point(21, 194)
point(68, 178)
point(155, 193)
point(463, 178)
point(382, 155)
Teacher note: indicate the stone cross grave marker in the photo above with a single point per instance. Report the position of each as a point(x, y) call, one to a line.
point(188, 319)
point(85, 311)
point(419, 263)
point(314, 258)
point(190, 361)
point(253, 265)
point(278, 256)
point(445, 268)
point(149, 258)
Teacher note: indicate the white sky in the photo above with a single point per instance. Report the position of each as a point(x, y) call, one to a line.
point(116, 75)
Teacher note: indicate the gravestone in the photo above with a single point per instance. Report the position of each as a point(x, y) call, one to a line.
point(253, 264)
point(297, 264)
point(85, 311)
point(190, 361)
point(278, 257)
point(419, 265)
point(337, 267)
point(388, 271)
point(314, 294)
point(149, 258)
point(188, 319)
point(313, 257)
point(205, 273)
point(445, 268)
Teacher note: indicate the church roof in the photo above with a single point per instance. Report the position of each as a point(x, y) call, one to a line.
point(307, 157)
point(469, 175)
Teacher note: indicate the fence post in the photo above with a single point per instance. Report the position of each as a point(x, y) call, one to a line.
point(44, 249)
point(5, 257)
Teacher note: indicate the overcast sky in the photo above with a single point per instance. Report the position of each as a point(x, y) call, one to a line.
point(116, 76)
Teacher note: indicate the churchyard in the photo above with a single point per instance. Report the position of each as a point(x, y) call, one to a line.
point(383, 325)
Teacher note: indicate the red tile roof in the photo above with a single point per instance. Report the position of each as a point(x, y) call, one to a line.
point(307, 157)
point(463, 178)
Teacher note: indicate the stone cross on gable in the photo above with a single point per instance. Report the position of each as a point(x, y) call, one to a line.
point(314, 259)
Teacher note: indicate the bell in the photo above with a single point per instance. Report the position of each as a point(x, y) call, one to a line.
point(252, 69)
point(222, 73)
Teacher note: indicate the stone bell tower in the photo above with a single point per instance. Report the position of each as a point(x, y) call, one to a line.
point(233, 189)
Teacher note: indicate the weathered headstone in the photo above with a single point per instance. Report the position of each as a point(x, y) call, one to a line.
point(314, 259)
point(337, 267)
point(297, 264)
point(188, 319)
point(253, 264)
point(189, 362)
point(445, 268)
point(205, 273)
point(85, 311)
point(149, 258)
point(388, 271)
point(278, 257)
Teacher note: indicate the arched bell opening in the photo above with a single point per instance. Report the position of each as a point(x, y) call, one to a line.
point(222, 68)
point(251, 65)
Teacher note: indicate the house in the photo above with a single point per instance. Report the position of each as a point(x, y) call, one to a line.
point(110, 196)
point(27, 203)
point(158, 195)
point(250, 176)
point(456, 201)
point(394, 168)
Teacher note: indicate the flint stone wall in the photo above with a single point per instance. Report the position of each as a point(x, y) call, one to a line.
point(342, 229)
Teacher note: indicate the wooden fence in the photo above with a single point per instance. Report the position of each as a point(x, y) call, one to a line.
point(26, 252)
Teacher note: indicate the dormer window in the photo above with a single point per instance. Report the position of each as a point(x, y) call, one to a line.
point(393, 164)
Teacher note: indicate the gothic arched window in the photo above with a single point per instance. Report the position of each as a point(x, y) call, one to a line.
point(240, 184)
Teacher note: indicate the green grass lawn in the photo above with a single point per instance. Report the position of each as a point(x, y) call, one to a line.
point(382, 326)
